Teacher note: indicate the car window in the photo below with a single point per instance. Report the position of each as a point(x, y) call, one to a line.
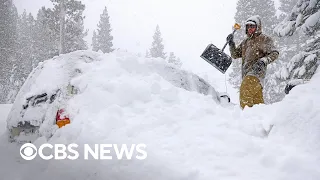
point(39, 99)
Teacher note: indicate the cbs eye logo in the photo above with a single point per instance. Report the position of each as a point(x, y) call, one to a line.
point(28, 151)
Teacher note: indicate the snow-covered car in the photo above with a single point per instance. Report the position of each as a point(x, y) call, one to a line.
point(37, 109)
point(192, 82)
point(41, 106)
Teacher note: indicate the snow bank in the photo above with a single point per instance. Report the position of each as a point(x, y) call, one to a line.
point(298, 122)
point(79, 68)
point(4, 111)
point(126, 99)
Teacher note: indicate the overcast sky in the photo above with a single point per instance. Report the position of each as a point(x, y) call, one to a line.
point(187, 26)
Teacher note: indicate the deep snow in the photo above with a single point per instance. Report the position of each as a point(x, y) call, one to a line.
point(4, 110)
point(188, 135)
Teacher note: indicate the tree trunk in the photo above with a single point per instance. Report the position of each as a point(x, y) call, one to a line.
point(62, 27)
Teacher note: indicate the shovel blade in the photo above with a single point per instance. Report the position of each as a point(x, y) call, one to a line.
point(216, 58)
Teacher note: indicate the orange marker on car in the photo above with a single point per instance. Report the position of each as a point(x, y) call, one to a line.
point(61, 118)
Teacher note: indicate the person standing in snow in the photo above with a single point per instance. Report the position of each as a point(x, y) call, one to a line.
point(256, 51)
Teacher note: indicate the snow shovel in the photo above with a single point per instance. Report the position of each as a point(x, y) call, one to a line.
point(216, 57)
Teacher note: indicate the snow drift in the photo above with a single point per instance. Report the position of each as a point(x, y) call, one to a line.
point(4, 111)
point(127, 99)
point(82, 68)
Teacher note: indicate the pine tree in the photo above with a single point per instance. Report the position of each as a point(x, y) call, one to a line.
point(74, 24)
point(179, 62)
point(104, 37)
point(95, 46)
point(291, 44)
point(24, 56)
point(273, 86)
point(147, 54)
point(31, 33)
point(172, 57)
point(303, 18)
point(174, 60)
point(286, 7)
point(22, 65)
point(45, 36)
point(25, 45)
point(8, 24)
point(62, 44)
point(287, 48)
point(157, 47)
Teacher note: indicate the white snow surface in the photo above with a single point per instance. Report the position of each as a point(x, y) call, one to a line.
point(189, 136)
point(4, 111)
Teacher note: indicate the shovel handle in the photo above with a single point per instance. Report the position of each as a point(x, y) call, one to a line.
point(228, 42)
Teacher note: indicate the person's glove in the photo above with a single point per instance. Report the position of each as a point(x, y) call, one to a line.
point(230, 39)
point(260, 65)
